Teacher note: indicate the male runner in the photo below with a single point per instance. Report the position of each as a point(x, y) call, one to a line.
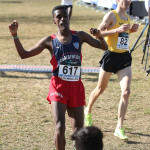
point(116, 29)
point(66, 91)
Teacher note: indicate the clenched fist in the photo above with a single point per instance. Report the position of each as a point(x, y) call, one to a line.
point(13, 27)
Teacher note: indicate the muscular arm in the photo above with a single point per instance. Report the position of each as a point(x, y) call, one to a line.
point(35, 50)
point(107, 23)
point(100, 43)
point(110, 21)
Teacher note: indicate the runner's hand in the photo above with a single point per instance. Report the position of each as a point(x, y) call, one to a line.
point(95, 32)
point(13, 27)
point(124, 27)
point(134, 27)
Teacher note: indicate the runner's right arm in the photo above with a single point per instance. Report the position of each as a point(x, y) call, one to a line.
point(108, 22)
point(35, 50)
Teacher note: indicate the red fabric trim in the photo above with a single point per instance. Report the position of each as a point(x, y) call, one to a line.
point(53, 36)
point(54, 62)
point(73, 32)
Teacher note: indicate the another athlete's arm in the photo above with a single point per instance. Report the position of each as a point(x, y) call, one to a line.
point(100, 43)
point(37, 49)
point(108, 22)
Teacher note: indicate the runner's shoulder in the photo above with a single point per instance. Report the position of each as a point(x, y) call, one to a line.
point(110, 15)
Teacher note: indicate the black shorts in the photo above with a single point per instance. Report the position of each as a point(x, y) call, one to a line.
point(113, 62)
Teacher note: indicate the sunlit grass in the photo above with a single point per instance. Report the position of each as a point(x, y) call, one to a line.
point(26, 121)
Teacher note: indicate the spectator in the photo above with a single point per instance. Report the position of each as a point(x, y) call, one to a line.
point(69, 5)
point(88, 138)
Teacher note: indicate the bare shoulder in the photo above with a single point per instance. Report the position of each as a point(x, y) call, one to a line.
point(109, 16)
point(108, 21)
point(82, 35)
point(45, 39)
point(46, 42)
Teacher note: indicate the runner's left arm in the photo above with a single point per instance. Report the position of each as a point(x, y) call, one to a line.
point(97, 43)
point(134, 28)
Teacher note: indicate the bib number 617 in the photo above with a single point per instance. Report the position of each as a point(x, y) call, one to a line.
point(70, 70)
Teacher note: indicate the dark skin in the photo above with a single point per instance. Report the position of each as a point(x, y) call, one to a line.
point(63, 35)
point(76, 115)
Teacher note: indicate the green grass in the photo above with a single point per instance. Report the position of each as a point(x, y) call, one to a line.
point(26, 121)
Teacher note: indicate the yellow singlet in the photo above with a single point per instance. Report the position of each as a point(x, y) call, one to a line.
point(118, 42)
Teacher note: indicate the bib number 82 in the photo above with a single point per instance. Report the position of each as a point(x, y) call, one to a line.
point(123, 41)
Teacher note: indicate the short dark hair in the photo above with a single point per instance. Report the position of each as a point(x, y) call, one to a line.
point(59, 7)
point(88, 138)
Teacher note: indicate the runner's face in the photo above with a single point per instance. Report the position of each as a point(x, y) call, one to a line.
point(61, 19)
point(125, 4)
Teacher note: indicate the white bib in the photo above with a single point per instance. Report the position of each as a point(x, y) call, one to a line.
point(69, 73)
point(123, 41)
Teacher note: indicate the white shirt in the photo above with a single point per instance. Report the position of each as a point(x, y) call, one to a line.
point(67, 2)
point(147, 4)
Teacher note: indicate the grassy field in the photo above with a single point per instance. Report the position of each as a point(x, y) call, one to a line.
point(26, 121)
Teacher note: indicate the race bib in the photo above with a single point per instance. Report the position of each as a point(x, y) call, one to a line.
point(69, 73)
point(123, 41)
